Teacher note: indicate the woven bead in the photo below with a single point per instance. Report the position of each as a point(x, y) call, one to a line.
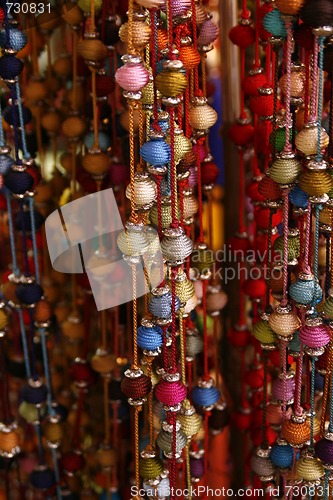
point(96, 163)
point(175, 245)
point(262, 466)
point(324, 451)
point(280, 138)
point(18, 182)
point(285, 169)
point(295, 433)
point(135, 385)
point(283, 390)
point(133, 240)
point(274, 24)
point(6, 162)
point(10, 440)
point(242, 35)
point(106, 456)
point(325, 216)
point(92, 49)
point(156, 151)
point(205, 394)
point(294, 344)
point(293, 245)
point(290, 7)
point(196, 467)
point(34, 392)
point(284, 322)
point(182, 145)
point(171, 83)
point(328, 306)
point(166, 214)
point(304, 289)
point(160, 304)
point(194, 343)
point(17, 39)
point(132, 76)
point(216, 300)
point(178, 7)
point(72, 462)
point(219, 418)
point(315, 183)
point(282, 454)
point(149, 337)
point(73, 127)
point(264, 333)
point(145, 191)
point(29, 293)
point(297, 83)
point(202, 260)
point(241, 134)
point(307, 139)
point(150, 466)
point(262, 104)
point(254, 80)
point(209, 173)
point(140, 34)
point(188, 54)
point(298, 197)
point(10, 67)
point(190, 204)
point(269, 189)
point(43, 311)
point(165, 442)
point(209, 32)
point(29, 412)
point(42, 478)
point(170, 390)
point(315, 333)
point(201, 115)
point(53, 431)
point(309, 468)
point(316, 13)
point(189, 420)
point(184, 287)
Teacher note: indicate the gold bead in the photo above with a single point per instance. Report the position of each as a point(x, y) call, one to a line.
point(289, 7)
point(307, 139)
point(141, 33)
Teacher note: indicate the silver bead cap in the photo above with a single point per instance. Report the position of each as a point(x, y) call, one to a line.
point(131, 58)
point(133, 373)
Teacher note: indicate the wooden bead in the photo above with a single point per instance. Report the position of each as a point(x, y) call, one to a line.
point(63, 66)
point(92, 49)
point(36, 90)
point(43, 311)
point(73, 127)
point(48, 21)
point(51, 121)
point(96, 164)
point(72, 14)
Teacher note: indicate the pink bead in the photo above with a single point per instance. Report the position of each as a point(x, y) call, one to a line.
point(281, 394)
point(170, 393)
point(132, 77)
point(193, 177)
point(178, 7)
point(315, 336)
point(208, 33)
point(200, 150)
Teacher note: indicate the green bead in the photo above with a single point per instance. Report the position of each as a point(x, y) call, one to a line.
point(293, 247)
point(280, 138)
point(150, 468)
point(29, 412)
point(328, 307)
point(264, 333)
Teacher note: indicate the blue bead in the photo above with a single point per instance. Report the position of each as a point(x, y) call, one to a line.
point(205, 396)
point(319, 382)
point(6, 162)
point(282, 455)
point(156, 152)
point(161, 307)
point(42, 479)
point(17, 39)
point(18, 182)
point(103, 139)
point(11, 115)
point(295, 343)
point(34, 395)
point(29, 293)
point(303, 291)
point(150, 338)
point(10, 67)
point(273, 24)
point(298, 197)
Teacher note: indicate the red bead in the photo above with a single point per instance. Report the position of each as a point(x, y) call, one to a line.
point(241, 134)
point(262, 133)
point(119, 174)
point(242, 35)
point(238, 338)
point(252, 83)
point(261, 217)
point(209, 173)
point(269, 189)
point(136, 388)
point(255, 378)
point(72, 462)
point(170, 393)
point(3, 203)
point(252, 191)
point(255, 288)
point(262, 105)
point(81, 373)
point(262, 11)
point(241, 420)
point(238, 246)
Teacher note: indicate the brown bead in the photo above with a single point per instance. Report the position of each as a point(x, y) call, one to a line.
point(9, 440)
point(106, 457)
point(96, 164)
point(9, 292)
point(51, 290)
point(51, 121)
point(43, 311)
point(73, 127)
point(103, 363)
point(35, 91)
point(92, 49)
point(48, 21)
point(72, 14)
point(63, 66)
point(44, 192)
point(53, 431)
point(73, 329)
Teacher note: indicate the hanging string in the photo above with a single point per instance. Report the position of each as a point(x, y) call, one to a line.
point(320, 95)
point(33, 238)
point(313, 102)
point(312, 401)
point(285, 245)
point(316, 255)
point(288, 145)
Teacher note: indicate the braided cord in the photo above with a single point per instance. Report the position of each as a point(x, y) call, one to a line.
point(314, 80)
point(330, 426)
point(11, 234)
point(320, 94)
point(2, 134)
point(42, 334)
point(312, 402)
point(26, 154)
point(285, 245)
point(326, 484)
point(327, 264)
point(276, 86)
point(316, 255)
point(269, 255)
point(264, 403)
point(287, 146)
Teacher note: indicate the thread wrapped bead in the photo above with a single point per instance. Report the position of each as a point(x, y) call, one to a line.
point(194, 343)
point(10, 67)
point(182, 145)
point(293, 245)
point(42, 478)
point(297, 81)
point(157, 151)
point(298, 197)
point(324, 451)
point(289, 7)
point(328, 305)
point(10, 440)
point(160, 304)
point(263, 332)
point(283, 390)
point(189, 420)
point(285, 169)
point(242, 35)
point(309, 468)
point(295, 432)
point(132, 76)
point(273, 23)
point(150, 465)
point(304, 289)
point(282, 454)
point(29, 293)
point(175, 245)
point(171, 82)
point(141, 33)
point(144, 190)
point(170, 390)
point(284, 322)
point(18, 182)
point(150, 336)
point(201, 115)
point(315, 180)
point(166, 443)
point(188, 54)
point(92, 49)
point(205, 394)
point(314, 334)
point(17, 39)
point(262, 465)
point(133, 241)
point(209, 32)
point(307, 139)
point(135, 385)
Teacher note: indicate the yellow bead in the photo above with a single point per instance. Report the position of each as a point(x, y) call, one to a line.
point(171, 83)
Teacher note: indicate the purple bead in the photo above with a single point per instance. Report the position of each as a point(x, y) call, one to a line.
point(324, 450)
point(197, 467)
point(10, 67)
